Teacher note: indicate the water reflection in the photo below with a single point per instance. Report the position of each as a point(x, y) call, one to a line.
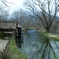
point(34, 46)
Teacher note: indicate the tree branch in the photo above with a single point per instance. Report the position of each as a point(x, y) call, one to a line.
point(4, 3)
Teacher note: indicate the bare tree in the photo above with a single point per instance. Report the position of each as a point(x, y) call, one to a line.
point(5, 2)
point(46, 14)
point(22, 18)
point(18, 16)
point(3, 13)
point(45, 11)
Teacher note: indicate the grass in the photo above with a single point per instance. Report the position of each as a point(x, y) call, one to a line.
point(50, 35)
point(15, 53)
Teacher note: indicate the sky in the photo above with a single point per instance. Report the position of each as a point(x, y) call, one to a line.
point(14, 5)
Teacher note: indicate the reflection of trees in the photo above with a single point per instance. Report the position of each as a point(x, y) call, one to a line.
point(46, 51)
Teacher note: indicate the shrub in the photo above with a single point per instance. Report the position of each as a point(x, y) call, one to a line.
point(5, 55)
point(2, 34)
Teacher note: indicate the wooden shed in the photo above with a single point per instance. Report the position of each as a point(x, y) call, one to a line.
point(10, 28)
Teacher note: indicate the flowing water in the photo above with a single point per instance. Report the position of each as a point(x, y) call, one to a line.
point(32, 43)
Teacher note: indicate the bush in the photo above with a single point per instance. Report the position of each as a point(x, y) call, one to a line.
point(12, 52)
point(5, 55)
point(2, 35)
point(15, 53)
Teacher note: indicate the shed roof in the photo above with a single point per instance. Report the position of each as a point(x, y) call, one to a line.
point(7, 25)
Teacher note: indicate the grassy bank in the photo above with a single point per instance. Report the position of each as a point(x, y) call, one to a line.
point(15, 53)
point(50, 35)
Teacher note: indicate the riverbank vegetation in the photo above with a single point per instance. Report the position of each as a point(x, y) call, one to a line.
point(15, 53)
point(12, 52)
point(50, 35)
point(2, 34)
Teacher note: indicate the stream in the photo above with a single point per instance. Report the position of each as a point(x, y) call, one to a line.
point(32, 43)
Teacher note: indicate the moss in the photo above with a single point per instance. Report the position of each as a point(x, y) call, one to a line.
point(15, 53)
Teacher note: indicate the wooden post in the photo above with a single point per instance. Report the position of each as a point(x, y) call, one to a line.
point(18, 36)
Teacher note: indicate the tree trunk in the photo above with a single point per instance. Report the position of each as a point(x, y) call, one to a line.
point(47, 29)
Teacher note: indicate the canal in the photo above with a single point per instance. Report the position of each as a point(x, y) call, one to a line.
point(34, 46)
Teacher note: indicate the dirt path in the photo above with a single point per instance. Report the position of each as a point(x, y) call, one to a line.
point(3, 44)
